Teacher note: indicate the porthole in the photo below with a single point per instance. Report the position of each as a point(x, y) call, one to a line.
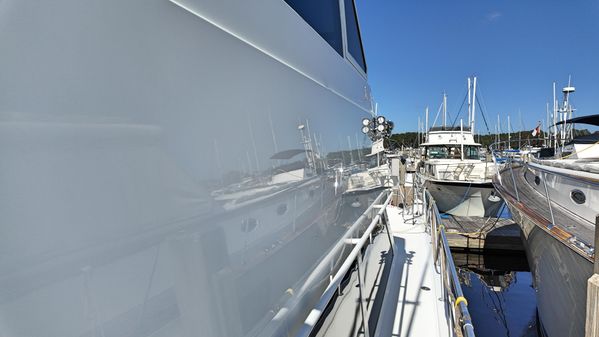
point(282, 209)
point(578, 197)
point(537, 180)
point(249, 224)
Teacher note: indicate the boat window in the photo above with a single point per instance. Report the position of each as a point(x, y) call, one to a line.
point(537, 180)
point(471, 152)
point(578, 196)
point(436, 152)
point(354, 39)
point(324, 17)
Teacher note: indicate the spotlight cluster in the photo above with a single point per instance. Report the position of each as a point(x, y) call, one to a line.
point(377, 128)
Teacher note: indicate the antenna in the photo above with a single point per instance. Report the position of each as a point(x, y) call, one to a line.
point(554, 117)
point(567, 110)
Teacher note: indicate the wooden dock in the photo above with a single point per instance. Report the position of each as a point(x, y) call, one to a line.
point(478, 234)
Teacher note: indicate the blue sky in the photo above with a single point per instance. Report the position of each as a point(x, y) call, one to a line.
point(415, 50)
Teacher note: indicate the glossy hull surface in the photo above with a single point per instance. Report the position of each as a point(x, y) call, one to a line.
point(560, 278)
point(465, 199)
point(119, 119)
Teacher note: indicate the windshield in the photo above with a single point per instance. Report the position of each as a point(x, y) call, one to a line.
point(452, 152)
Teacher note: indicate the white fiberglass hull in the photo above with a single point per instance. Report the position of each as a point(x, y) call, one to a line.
point(464, 198)
point(561, 183)
point(117, 121)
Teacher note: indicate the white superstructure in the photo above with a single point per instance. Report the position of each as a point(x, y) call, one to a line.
point(119, 119)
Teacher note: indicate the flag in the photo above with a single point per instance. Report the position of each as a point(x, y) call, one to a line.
point(537, 130)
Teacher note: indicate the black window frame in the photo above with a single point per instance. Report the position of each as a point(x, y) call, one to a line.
point(338, 39)
point(363, 66)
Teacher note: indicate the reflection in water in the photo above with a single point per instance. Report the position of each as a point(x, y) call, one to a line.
point(500, 295)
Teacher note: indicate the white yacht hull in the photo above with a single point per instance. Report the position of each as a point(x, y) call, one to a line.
point(560, 278)
point(560, 184)
point(464, 198)
point(558, 254)
point(118, 118)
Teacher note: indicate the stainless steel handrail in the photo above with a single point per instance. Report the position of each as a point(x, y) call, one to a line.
point(442, 257)
point(446, 264)
point(328, 294)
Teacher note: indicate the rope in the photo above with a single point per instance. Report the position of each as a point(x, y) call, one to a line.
point(459, 111)
point(483, 114)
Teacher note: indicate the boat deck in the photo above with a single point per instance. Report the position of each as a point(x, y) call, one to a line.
point(406, 296)
point(418, 310)
point(567, 225)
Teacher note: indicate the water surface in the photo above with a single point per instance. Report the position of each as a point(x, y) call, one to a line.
point(501, 298)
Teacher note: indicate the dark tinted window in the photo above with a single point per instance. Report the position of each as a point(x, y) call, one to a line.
point(354, 40)
point(324, 17)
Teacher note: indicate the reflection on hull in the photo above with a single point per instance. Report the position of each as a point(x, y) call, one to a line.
point(165, 279)
point(138, 111)
point(560, 277)
point(465, 199)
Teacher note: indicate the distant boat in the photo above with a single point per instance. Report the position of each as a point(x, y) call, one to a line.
point(554, 196)
point(452, 168)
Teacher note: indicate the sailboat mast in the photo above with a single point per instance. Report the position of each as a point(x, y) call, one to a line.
point(444, 109)
point(469, 102)
point(351, 154)
point(509, 132)
point(473, 105)
point(419, 132)
point(546, 135)
point(426, 125)
point(498, 129)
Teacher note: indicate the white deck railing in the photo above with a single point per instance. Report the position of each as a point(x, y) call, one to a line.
point(443, 260)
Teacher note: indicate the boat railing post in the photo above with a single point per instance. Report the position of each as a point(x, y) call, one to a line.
point(510, 164)
point(592, 305)
point(361, 297)
point(548, 200)
point(385, 222)
point(414, 184)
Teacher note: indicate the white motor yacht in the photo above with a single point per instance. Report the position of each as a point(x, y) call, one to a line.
point(553, 195)
point(453, 170)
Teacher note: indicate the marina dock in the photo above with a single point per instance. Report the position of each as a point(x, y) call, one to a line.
point(480, 235)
